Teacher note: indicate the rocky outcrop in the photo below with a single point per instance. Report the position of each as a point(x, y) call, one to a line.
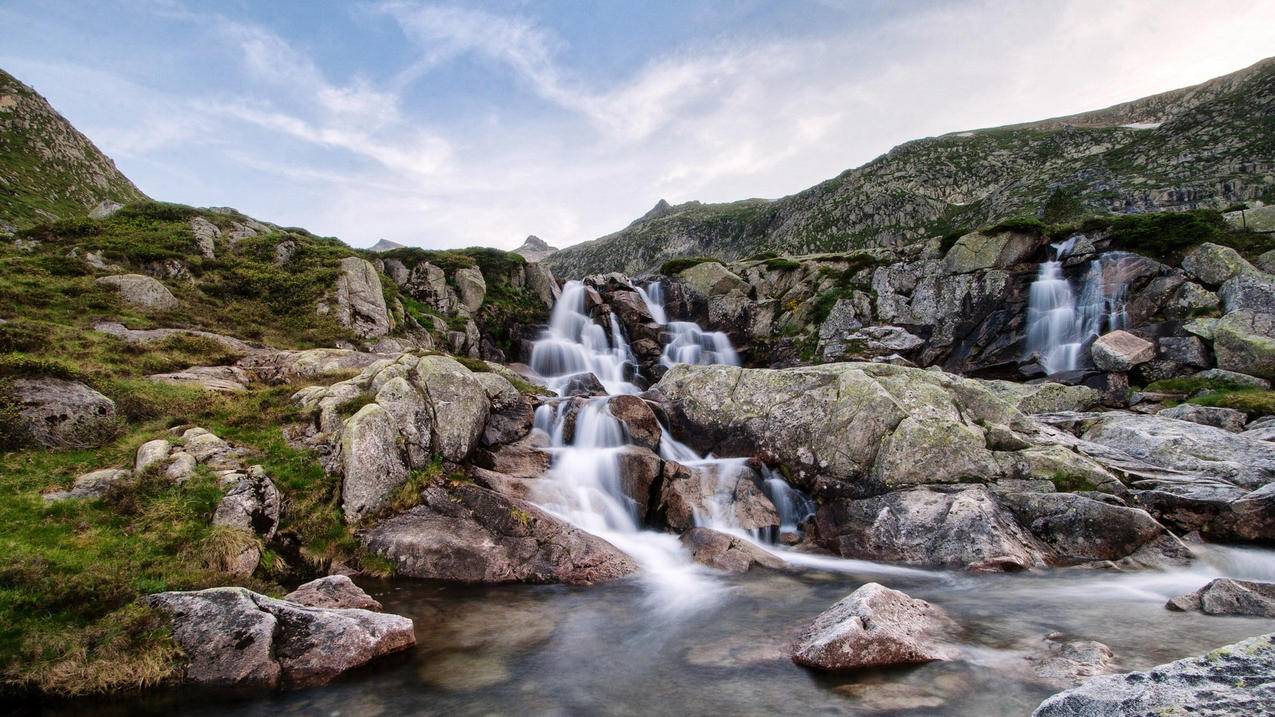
point(359, 302)
point(875, 627)
point(726, 552)
point(1237, 679)
point(467, 533)
point(252, 506)
point(93, 484)
point(141, 291)
point(56, 413)
point(373, 466)
point(1225, 596)
point(235, 638)
point(333, 591)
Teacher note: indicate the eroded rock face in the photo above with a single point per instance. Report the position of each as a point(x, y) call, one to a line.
point(333, 591)
point(235, 638)
point(875, 627)
point(467, 533)
point(726, 552)
point(1234, 680)
point(56, 413)
point(1225, 596)
point(141, 291)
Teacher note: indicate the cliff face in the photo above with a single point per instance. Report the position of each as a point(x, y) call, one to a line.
point(1205, 146)
point(48, 169)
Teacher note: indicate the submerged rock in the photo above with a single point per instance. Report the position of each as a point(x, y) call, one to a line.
point(726, 552)
point(875, 627)
point(467, 533)
point(235, 638)
point(1234, 680)
point(1225, 596)
point(1062, 661)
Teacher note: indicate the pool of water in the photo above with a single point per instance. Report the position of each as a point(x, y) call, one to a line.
point(617, 650)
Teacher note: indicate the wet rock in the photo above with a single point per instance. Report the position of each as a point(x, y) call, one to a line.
point(583, 384)
point(541, 283)
point(875, 627)
point(372, 465)
point(1237, 679)
point(1077, 528)
point(1062, 661)
point(726, 552)
point(151, 453)
point(640, 472)
point(141, 291)
point(235, 638)
point(729, 492)
point(1225, 596)
point(1228, 419)
point(510, 416)
point(471, 534)
point(1120, 351)
point(333, 591)
point(94, 484)
point(638, 419)
point(56, 413)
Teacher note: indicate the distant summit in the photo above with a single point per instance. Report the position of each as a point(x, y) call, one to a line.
point(535, 249)
point(48, 169)
point(385, 245)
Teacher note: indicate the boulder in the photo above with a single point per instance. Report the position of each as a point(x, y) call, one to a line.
point(1244, 341)
point(524, 458)
point(875, 626)
point(1186, 350)
point(728, 493)
point(471, 288)
point(1228, 419)
point(1062, 661)
point(1214, 264)
point(639, 420)
point(460, 405)
point(253, 505)
point(1047, 397)
point(711, 278)
point(235, 638)
point(726, 552)
point(94, 484)
point(141, 291)
point(978, 251)
point(372, 465)
point(181, 467)
point(541, 283)
point(56, 413)
point(151, 453)
point(219, 379)
point(1234, 680)
point(333, 591)
point(412, 416)
point(582, 384)
point(1225, 596)
point(360, 301)
point(1234, 378)
point(640, 471)
point(510, 416)
point(1120, 351)
point(1190, 300)
point(1249, 291)
point(471, 534)
point(209, 449)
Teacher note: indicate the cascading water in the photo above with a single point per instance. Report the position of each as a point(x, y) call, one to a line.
point(1060, 325)
point(687, 343)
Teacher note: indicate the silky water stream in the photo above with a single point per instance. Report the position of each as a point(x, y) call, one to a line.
point(682, 639)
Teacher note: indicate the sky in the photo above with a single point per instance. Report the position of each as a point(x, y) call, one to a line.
point(461, 124)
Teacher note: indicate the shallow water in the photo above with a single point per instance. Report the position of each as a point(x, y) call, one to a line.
point(552, 650)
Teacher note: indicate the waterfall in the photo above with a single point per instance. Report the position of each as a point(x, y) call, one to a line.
point(687, 342)
point(1060, 323)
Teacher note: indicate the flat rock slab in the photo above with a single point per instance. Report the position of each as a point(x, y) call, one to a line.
point(1234, 680)
point(875, 627)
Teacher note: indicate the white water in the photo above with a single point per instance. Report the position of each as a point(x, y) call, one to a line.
point(1060, 324)
point(687, 342)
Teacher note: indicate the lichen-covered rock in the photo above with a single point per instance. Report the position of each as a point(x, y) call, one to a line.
point(1214, 264)
point(1244, 341)
point(711, 278)
point(1045, 397)
point(1120, 351)
point(875, 626)
point(235, 638)
point(151, 453)
point(977, 251)
point(1225, 596)
point(93, 484)
point(56, 413)
point(1228, 419)
point(460, 405)
point(726, 552)
point(360, 301)
point(333, 591)
point(371, 462)
point(1234, 680)
point(1249, 291)
point(412, 415)
point(141, 291)
point(471, 534)
point(471, 288)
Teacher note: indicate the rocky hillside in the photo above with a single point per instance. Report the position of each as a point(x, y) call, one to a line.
point(48, 170)
point(1206, 146)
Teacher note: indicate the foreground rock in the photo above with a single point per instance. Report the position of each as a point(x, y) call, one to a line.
point(235, 638)
point(1234, 680)
point(726, 552)
point(333, 591)
point(56, 413)
point(1225, 596)
point(1121, 351)
point(875, 627)
point(472, 534)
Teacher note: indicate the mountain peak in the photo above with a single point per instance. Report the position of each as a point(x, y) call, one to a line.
point(535, 249)
point(385, 245)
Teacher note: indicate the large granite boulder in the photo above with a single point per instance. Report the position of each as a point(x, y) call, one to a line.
point(460, 404)
point(141, 291)
point(1244, 341)
point(359, 299)
point(235, 638)
point(978, 251)
point(1234, 680)
point(875, 626)
point(471, 288)
point(373, 467)
point(333, 591)
point(1249, 291)
point(1214, 264)
point(711, 278)
point(1120, 351)
point(471, 534)
point(726, 552)
point(1225, 596)
point(56, 413)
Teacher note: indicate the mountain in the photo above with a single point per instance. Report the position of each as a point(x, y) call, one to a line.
point(48, 169)
point(385, 245)
point(1203, 146)
point(535, 249)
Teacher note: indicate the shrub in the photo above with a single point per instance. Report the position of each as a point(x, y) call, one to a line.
point(764, 255)
point(782, 264)
point(23, 336)
point(1021, 225)
point(16, 364)
point(157, 211)
point(681, 264)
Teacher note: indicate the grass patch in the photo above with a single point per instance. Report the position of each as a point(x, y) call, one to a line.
point(681, 264)
point(1192, 384)
point(1019, 225)
point(782, 264)
point(1253, 402)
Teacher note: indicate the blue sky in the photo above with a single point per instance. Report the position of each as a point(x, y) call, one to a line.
point(457, 124)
